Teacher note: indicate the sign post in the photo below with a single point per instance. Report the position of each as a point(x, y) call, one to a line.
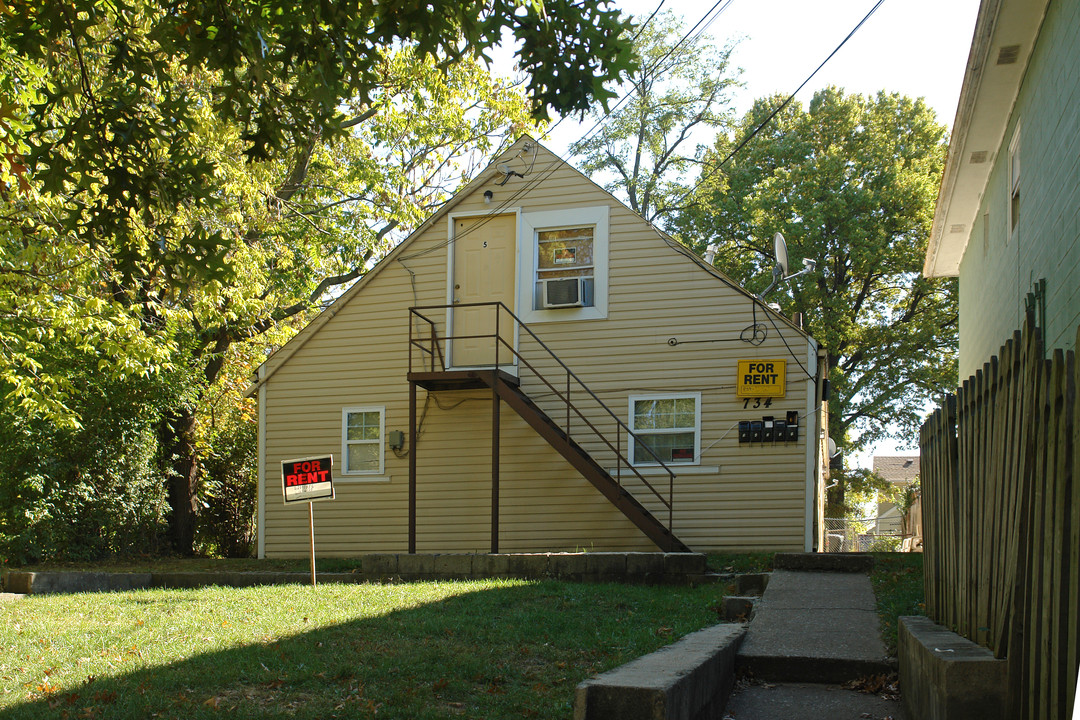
point(307, 480)
point(311, 524)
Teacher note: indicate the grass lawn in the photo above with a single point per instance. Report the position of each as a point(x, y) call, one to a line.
point(481, 649)
point(898, 585)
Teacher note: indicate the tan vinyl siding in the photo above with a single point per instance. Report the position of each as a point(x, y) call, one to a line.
point(358, 356)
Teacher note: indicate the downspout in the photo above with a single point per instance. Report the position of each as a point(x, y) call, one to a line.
point(812, 443)
point(260, 522)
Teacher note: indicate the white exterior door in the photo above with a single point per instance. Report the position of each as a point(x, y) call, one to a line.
point(484, 249)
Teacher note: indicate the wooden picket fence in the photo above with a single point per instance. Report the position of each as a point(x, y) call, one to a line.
point(1001, 519)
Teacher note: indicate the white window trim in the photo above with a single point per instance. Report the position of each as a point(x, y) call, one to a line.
point(1011, 184)
point(381, 443)
point(697, 427)
point(528, 249)
point(680, 469)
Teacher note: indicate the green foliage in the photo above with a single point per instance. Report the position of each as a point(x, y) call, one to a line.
point(181, 187)
point(897, 579)
point(682, 87)
point(908, 496)
point(851, 182)
point(884, 545)
point(229, 492)
point(86, 492)
point(129, 127)
point(855, 488)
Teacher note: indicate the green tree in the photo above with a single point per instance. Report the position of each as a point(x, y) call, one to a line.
point(88, 491)
point(647, 144)
point(851, 183)
point(106, 107)
point(178, 181)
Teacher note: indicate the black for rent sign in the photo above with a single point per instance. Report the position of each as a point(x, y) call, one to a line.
point(307, 479)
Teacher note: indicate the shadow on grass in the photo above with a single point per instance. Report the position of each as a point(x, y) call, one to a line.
point(437, 650)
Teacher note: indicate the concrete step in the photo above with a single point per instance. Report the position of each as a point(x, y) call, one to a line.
point(814, 627)
point(764, 701)
point(824, 562)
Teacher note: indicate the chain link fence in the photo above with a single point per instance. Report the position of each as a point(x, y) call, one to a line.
point(858, 535)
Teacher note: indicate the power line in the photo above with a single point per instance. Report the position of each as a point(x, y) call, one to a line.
point(776, 112)
point(704, 23)
point(706, 20)
point(647, 21)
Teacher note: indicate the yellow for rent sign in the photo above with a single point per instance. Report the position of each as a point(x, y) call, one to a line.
point(761, 378)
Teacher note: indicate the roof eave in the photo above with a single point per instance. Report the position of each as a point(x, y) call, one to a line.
point(986, 103)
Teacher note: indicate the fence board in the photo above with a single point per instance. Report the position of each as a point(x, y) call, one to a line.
point(1072, 547)
point(1007, 438)
point(1061, 557)
point(1001, 517)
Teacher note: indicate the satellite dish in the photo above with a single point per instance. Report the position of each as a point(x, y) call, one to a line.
point(780, 250)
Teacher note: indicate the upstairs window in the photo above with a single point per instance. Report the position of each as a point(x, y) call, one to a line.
point(1014, 183)
point(667, 425)
point(565, 268)
point(563, 264)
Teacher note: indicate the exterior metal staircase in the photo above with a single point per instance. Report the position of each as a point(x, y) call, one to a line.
point(506, 388)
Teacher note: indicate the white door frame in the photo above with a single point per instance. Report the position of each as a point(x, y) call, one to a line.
point(451, 217)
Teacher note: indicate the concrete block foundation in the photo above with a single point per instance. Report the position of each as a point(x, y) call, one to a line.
point(947, 677)
point(689, 680)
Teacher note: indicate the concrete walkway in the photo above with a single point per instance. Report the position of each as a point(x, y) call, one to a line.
point(814, 627)
point(812, 632)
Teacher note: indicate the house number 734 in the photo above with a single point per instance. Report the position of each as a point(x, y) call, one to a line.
point(757, 403)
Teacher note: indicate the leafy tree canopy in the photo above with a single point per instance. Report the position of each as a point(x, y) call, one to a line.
point(180, 184)
point(647, 143)
point(124, 124)
point(103, 90)
point(851, 182)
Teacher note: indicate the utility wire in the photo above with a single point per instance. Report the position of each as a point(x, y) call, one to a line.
point(706, 20)
point(775, 112)
point(647, 21)
point(640, 29)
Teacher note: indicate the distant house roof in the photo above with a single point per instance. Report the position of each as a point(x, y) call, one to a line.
point(897, 468)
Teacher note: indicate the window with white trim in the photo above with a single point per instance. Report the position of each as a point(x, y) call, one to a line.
point(668, 425)
point(563, 265)
point(362, 440)
point(1014, 184)
point(564, 268)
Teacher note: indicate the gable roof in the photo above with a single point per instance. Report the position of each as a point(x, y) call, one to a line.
point(492, 171)
point(1005, 35)
point(897, 468)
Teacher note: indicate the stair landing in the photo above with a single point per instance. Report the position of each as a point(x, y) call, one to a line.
point(474, 379)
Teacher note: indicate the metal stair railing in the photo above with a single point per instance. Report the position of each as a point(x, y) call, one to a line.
point(433, 350)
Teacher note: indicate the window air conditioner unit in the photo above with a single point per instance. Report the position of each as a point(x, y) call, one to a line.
point(563, 292)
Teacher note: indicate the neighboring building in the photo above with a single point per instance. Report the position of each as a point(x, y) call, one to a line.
point(1008, 215)
point(899, 470)
point(653, 331)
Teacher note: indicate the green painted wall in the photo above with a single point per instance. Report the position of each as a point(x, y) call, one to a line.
point(998, 271)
